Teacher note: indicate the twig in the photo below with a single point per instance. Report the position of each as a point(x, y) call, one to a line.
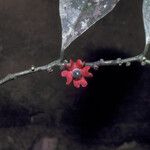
point(49, 67)
point(33, 69)
point(139, 58)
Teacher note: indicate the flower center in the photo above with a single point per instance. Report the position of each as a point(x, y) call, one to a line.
point(76, 74)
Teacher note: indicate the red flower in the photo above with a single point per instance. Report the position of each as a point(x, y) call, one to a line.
point(76, 72)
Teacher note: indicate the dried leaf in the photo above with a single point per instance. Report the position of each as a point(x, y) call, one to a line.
point(79, 15)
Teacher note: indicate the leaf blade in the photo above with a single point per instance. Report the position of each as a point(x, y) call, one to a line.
point(146, 20)
point(79, 15)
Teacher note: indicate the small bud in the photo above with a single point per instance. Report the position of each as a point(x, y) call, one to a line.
point(120, 64)
point(65, 61)
point(128, 64)
point(50, 70)
point(119, 61)
point(143, 62)
point(144, 59)
point(101, 60)
point(33, 68)
point(95, 67)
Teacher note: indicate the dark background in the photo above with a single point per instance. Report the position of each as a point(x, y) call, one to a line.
point(112, 113)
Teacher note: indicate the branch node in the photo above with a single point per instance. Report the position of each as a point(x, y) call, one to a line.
point(65, 61)
point(50, 70)
point(128, 64)
point(96, 67)
point(32, 68)
point(119, 61)
point(101, 60)
point(63, 64)
point(143, 61)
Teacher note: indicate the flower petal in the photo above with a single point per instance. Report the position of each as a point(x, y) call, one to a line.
point(69, 78)
point(71, 62)
point(68, 75)
point(87, 68)
point(85, 72)
point(83, 82)
point(72, 65)
point(69, 65)
point(64, 73)
point(76, 83)
point(79, 63)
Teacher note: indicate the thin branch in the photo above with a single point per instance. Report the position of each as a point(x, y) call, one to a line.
point(119, 61)
point(57, 63)
point(33, 69)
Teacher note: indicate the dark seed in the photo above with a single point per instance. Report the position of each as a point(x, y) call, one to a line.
point(76, 74)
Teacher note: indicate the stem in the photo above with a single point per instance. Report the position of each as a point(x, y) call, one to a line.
point(146, 49)
point(57, 63)
point(61, 55)
point(33, 69)
point(119, 61)
point(148, 62)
